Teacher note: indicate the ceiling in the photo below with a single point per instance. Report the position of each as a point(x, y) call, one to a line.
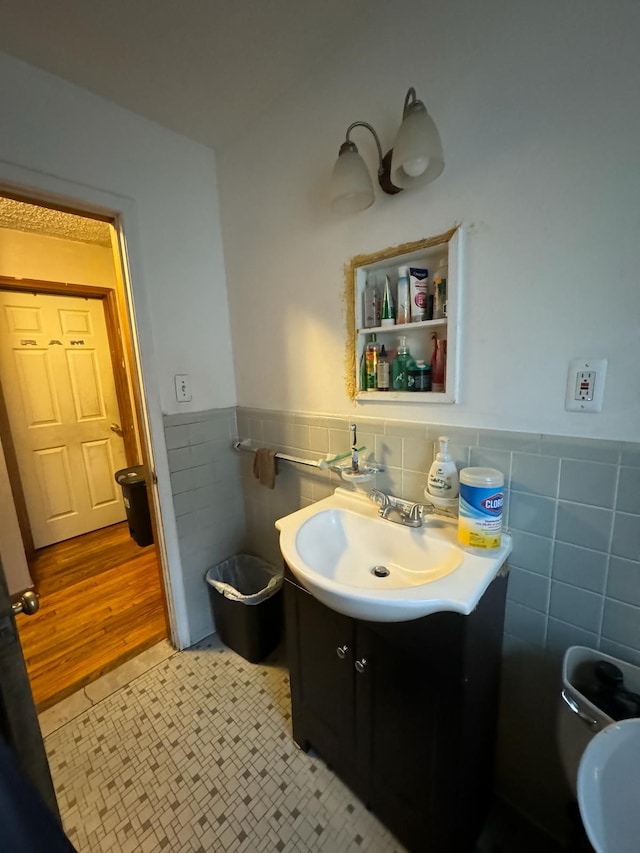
point(204, 68)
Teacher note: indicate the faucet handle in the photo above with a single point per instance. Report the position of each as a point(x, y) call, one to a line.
point(415, 513)
point(418, 511)
point(379, 498)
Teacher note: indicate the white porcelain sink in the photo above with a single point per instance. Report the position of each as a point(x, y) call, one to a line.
point(609, 788)
point(370, 568)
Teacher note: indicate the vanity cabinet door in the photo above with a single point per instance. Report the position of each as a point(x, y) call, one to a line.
point(410, 702)
point(321, 647)
point(431, 714)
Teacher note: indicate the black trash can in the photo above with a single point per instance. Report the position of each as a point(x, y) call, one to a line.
point(134, 491)
point(246, 598)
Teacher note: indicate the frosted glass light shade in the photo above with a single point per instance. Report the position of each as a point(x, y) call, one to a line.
point(351, 185)
point(417, 153)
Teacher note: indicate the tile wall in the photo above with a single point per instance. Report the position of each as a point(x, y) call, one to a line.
point(207, 499)
point(572, 506)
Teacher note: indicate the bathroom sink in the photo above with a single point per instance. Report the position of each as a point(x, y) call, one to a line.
point(370, 568)
point(609, 788)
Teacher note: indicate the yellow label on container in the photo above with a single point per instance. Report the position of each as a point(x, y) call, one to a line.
point(469, 535)
point(480, 516)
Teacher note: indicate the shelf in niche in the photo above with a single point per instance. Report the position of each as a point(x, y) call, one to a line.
point(400, 327)
point(403, 397)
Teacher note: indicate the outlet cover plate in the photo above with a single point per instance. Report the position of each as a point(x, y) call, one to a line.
point(183, 387)
point(585, 384)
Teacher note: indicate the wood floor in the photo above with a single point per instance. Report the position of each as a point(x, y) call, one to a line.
point(101, 603)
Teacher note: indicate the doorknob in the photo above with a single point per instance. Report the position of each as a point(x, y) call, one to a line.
point(361, 665)
point(341, 651)
point(28, 604)
point(117, 429)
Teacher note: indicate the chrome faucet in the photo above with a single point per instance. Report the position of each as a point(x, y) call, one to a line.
point(409, 514)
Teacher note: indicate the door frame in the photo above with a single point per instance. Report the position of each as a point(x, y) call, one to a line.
point(121, 211)
point(109, 299)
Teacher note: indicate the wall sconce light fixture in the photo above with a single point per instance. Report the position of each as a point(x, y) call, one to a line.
point(415, 159)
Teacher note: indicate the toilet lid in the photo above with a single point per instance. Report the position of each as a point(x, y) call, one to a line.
point(609, 788)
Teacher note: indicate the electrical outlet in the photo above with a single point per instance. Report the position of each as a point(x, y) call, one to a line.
point(585, 384)
point(183, 387)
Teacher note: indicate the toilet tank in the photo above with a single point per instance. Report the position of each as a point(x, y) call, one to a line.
point(579, 720)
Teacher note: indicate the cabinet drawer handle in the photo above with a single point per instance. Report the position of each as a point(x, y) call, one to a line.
point(361, 665)
point(341, 651)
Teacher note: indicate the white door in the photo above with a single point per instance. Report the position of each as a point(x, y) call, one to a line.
point(56, 373)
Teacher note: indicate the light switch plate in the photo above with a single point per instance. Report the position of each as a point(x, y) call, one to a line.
point(585, 384)
point(183, 387)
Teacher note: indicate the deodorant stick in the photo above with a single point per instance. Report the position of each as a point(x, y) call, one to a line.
point(480, 508)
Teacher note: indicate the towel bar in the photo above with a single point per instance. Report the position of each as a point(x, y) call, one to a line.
point(312, 463)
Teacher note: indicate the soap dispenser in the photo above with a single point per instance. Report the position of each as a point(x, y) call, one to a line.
point(443, 474)
point(402, 363)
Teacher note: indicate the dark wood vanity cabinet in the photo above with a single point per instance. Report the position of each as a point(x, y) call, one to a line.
point(405, 713)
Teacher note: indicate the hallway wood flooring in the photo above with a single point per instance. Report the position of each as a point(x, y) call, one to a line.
point(101, 603)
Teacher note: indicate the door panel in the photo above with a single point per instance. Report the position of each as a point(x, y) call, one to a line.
point(52, 466)
point(56, 373)
point(99, 468)
point(85, 384)
point(37, 387)
point(75, 322)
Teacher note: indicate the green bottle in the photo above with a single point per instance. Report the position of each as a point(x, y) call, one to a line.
point(388, 314)
point(402, 363)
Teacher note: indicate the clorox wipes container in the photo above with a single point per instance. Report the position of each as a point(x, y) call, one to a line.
point(480, 508)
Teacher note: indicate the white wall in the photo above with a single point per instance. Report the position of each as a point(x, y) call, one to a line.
point(30, 255)
point(63, 140)
point(537, 108)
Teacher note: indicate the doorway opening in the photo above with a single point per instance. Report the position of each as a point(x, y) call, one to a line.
point(71, 415)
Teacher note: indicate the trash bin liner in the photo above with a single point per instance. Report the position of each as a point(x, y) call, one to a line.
point(136, 503)
point(246, 598)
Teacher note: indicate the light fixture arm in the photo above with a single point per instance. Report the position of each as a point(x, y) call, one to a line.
point(374, 134)
point(384, 162)
point(411, 94)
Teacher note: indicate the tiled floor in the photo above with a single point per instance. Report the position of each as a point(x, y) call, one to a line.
point(196, 755)
point(192, 751)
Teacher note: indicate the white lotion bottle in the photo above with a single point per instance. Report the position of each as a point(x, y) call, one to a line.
point(443, 474)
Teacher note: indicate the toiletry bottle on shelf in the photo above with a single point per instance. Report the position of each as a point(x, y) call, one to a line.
point(403, 312)
point(419, 293)
point(362, 380)
point(388, 315)
point(440, 290)
point(437, 366)
point(371, 359)
point(443, 474)
point(421, 376)
point(371, 302)
point(402, 363)
point(382, 383)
